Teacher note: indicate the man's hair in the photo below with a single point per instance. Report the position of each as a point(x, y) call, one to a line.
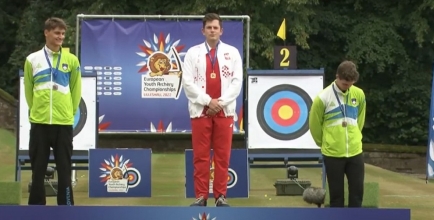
point(347, 70)
point(211, 17)
point(53, 23)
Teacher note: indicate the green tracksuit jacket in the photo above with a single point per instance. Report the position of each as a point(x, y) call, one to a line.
point(48, 105)
point(325, 121)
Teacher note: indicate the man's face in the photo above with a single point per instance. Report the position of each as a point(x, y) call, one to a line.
point(212, 30)
point(55, 36)
point(343, 84)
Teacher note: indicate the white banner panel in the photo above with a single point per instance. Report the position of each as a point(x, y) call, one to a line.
point(85, 120)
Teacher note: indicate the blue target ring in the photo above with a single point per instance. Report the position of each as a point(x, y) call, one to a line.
point(80, 118)
point(285, 129)
point(297, 103)
point(76, 118)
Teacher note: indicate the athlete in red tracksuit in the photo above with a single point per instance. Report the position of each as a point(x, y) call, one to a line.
point(212, 81)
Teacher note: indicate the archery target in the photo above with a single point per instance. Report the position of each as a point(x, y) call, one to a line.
point(133, 176)
point(85, 119)
point(279, 111)
point(232, 178)
point(283, 111)
point(80, 117)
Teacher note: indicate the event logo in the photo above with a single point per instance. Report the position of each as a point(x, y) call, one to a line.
point(204, 216)
point(160, 128)
point(119, 175)
point(232, 176)
point(161, 68)
point(102, 126)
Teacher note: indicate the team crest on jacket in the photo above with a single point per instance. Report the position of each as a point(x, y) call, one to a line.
point(161, 67)
point(65, 67)
point(353, 101)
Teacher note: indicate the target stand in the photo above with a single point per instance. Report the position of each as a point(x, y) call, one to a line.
point(278, 103)
point(84, 128)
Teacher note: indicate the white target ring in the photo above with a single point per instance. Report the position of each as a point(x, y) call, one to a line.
point(133, 176)
point(232, 178)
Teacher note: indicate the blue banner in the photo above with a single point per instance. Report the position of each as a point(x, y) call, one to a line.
point(197, 213)
point(238, 179)
point(430, 150)
point(138, 65)
point(120, 172)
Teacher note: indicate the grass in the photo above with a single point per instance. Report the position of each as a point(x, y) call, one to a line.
point(10, 192)
point(395, 190)
point(370, 195)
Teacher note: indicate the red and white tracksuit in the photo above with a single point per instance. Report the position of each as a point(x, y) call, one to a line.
point(211, 132)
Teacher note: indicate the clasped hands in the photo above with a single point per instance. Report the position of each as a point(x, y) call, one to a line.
point(214, 107)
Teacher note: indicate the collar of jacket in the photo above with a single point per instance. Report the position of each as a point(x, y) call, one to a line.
point(50, 52)
point(338, 90)
point(203, 46)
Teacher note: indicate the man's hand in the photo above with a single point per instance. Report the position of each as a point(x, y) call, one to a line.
point(214, 105)
point(210, 112)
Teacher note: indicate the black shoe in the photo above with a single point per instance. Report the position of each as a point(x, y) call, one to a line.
point(221, 202)
point(199, 202)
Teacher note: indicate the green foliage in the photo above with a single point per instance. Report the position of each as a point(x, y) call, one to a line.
point(391, 42)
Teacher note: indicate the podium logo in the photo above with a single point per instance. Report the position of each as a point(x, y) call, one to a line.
point(204, 216)
point(232, 176)
point(119, 175)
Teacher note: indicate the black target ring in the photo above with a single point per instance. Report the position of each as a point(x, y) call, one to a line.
point(132, 176)
point(270, 106)
point(232, 178)
point(80, 118)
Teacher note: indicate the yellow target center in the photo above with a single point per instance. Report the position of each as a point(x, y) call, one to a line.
point(285, 112)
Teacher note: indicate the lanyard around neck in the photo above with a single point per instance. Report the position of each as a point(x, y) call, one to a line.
point(53, 72)
point(209, 54)
point(342, 108)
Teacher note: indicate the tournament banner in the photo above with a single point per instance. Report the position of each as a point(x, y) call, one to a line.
point(200, 213)
point(238, 185)
point(430, 150)
point(279, 106)
point(139, 66)
point(120, 172)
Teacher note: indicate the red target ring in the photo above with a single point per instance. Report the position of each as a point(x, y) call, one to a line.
point(285, 112)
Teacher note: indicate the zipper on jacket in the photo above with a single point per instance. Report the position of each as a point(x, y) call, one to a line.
point(346, 134)
point(345, 118)
point(51, 94)
point(346, 127)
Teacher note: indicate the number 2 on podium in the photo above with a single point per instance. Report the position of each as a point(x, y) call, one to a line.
point(285, 53)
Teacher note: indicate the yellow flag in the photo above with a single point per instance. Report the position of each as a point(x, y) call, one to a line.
point(282, 30)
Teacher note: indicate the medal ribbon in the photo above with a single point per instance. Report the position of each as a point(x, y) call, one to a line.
point(215, 55)
point(53, 72)
point(342, 108)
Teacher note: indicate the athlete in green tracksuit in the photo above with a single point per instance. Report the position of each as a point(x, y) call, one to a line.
point(52, 84)
point(336, 120)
